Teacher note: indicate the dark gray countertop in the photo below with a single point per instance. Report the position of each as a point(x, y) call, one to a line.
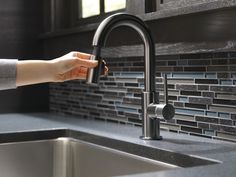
point(191, 145)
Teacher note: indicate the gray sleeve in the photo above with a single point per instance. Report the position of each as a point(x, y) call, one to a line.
point(7, 73)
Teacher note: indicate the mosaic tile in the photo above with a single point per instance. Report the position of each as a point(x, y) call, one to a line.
point(209, 132)
point(226, 82)
point(178, 104)
point(232, 62)
point(170, 126)
point(188, 87)
point(192, 93)
point(227, 136)
point(220, 55)
point(223, 115)
point(211, 113)
point(223, 75)
point(226, 122)
point(187, 123)
point(211, 75)
point(206, 81)
point(223, 89)
point(188, 75)
point(203, 126)
point(217, 68)
point(207, 119)
point(199, 62)
point(182, 62)
point(189, 111)
point(200, 100)
point(208, 94)
point(201, 86)
point(197, 69)
point(224, 102)
point(184, 117)
point(191, 129)
point(197, 106)
point(219, 62)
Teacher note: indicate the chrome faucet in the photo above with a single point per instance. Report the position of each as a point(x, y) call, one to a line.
point(152, 110)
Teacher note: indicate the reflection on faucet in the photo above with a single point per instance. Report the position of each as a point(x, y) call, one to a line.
point(151, 108)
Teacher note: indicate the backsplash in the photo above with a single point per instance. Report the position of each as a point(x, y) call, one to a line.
point(202, 87)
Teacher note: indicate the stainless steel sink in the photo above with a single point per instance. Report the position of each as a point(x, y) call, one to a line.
point(69, 153)
point(67, 157)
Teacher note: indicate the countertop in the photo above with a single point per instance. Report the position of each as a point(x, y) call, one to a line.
point(222, 151)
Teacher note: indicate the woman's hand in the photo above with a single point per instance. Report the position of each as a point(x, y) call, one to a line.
point(73, 65)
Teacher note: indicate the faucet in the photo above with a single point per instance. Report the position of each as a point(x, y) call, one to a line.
point(152, 109)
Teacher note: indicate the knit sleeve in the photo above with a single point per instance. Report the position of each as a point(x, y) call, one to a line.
point(7, 73)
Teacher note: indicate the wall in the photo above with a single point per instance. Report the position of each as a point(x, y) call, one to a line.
point(21, 23)
point(202, 88)
point(202, 85)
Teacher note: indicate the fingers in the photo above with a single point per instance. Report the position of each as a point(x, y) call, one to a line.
point(83, 59)
point(81, 55)
point(87, 63)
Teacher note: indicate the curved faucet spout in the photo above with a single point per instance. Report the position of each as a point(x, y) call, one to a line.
point(138, 25)
point(152, 110)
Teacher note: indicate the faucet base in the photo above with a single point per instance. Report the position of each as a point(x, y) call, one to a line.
point(151, 138)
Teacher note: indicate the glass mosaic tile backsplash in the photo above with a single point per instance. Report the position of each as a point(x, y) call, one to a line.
point(202, 87)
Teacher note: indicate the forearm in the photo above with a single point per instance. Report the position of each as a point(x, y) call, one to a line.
point(73, 65)
point(33, 72)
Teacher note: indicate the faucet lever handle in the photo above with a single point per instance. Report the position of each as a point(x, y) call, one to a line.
point(162, 110)
point(165, 89)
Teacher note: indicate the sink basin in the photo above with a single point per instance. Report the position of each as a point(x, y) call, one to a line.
point(68, 153)
point(67, 157)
